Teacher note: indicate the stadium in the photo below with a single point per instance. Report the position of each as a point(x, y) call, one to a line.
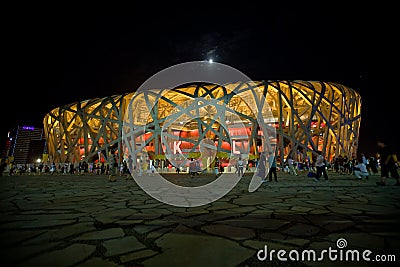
point(306, 117)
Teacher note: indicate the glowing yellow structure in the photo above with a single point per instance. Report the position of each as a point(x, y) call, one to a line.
point(308, 116)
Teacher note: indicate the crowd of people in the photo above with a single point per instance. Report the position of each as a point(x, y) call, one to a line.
point(384, 164)
point(61, 168)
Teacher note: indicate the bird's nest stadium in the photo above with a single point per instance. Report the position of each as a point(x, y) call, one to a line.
point(302, 117)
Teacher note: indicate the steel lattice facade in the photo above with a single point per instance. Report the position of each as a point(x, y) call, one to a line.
point(308, 116)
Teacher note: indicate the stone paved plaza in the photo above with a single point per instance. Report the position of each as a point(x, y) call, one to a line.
point(71, 220)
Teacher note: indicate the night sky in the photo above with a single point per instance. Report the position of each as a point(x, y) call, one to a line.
point(70, 54)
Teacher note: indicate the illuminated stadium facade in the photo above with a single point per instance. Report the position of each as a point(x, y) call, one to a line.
point(307, 116)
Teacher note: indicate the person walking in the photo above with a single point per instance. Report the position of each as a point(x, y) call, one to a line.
point(321, 167)
point(292, 168)
point(192, 168)
point(152, 170)
point(240, 166)
point(216, 168)
point(388, 163)
point(272, 168)
point(113, 169)
point(52, 168)
point(373, 164)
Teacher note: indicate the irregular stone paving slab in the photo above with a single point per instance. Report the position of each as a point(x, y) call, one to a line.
point(361, 206)
point(344, 211)
point(387, 221)
point(301, 202)
point(272, 236)
point(222, 205)
point(85, 219)
point(12, 237)
point(99, 262)
point(53, 216)
point(175, 209)
point(156, 234)
point(298, 242)
point(303, 230)
point(149, 206)
point(301, 209)
point(138, 255)
point(13, 255)
point(157, 211)
point(232, 232)
point(291, 217)
point(27, 205)
point(117, 205)
point(323, 219)
point(193, 212)
point(134, 203)
point(49, 212)
point(342, 197)
point(277, 237)
point(242, 209)
point(382, 233)
point(122, 245)
point(256, 223)
point(36, 224)
point(318, 211)
point(11, 217)
point(68, 199)
point(337, 226)
point(128, 222)
point(159, 222)
point(143, 216)
point(272, 206)
point(255, 200)
point(59, 234)
point(102, 234)
point(61, 258)
point(91, 208)
point(8, 207)
point(186, 221)
point(319, 202)
point(288, 211)
point(260, 211)
point(197, 250)
point(112, 216)
point(143, 229)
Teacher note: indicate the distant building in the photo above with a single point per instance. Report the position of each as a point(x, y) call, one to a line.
point(5, 151)
point(27, 144)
